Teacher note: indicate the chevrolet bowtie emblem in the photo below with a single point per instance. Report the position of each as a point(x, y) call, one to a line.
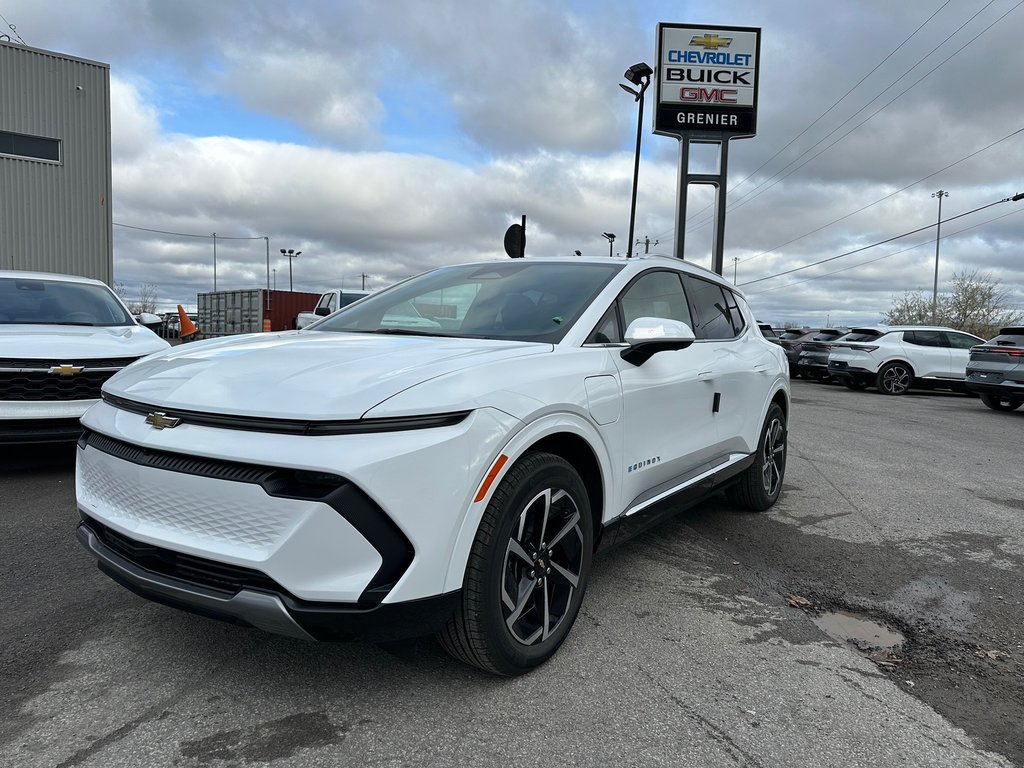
point(161, 420)
point(66, 369)
point(711, 40)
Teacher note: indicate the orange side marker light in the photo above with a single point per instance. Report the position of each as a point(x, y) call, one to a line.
point(486, 485)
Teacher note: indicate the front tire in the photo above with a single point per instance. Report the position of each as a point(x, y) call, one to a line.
point(759, 486)
point(1001, 402)
point(528, 569)
point(894, 379)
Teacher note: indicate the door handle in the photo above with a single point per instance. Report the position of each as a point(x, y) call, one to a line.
point(760, 368)
point(705, 375)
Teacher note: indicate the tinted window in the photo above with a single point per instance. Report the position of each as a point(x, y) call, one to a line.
point(712, 313)
point(35, 147)
point(607, 331)
point(961, 340)
point(791, 335)
point(925, 338)
point(860, 336)
point(1009, 337)
point(499, 300)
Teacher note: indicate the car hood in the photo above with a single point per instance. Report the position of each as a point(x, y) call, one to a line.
point(77, 343)
point(303, 375)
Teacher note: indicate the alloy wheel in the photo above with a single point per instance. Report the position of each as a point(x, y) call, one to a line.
point(773, 454)
point(896, 380)
point(542, 566)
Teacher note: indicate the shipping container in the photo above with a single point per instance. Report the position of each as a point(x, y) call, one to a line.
point(251, 310)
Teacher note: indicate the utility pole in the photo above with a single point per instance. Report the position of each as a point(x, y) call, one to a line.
point(215, 262)
point(735, 261)
point(364, 280)
point(647, 243)
point(935, 284)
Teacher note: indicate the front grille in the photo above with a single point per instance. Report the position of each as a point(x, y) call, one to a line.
point(37, 364)
point(222, 577)
point(39, 385)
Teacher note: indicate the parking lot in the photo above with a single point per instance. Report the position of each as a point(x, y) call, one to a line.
point(697, 644)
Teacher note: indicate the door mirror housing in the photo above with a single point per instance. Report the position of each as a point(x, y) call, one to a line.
point(322, 311)
point(149, 320)
point(647, 336)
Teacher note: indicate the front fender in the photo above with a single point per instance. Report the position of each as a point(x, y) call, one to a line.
point(546, 425)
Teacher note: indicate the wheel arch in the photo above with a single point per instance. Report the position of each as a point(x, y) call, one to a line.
point(902, 361)
point(563, 434)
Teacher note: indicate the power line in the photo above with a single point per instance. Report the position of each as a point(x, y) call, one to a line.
point(188, 234)
point(886, 197)
point(838, 101)
point(13, 29)
point(886, 256)
point(883, 242)
point(747, 197)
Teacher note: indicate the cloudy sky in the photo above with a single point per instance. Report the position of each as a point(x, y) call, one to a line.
point(384, 138)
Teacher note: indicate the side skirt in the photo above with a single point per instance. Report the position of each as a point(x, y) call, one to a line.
point(662, 506)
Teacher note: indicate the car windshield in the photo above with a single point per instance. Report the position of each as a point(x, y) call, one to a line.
point(38, 301)
point(496, 300)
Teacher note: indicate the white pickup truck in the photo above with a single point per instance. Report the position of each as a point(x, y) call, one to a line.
point(329, 302)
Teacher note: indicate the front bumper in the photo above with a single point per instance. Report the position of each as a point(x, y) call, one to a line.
point(41, 421)
point(252, 599)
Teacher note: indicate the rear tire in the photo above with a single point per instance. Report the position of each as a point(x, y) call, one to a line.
point(894, 378)
point(855, 384)
point(527, 571)
point(759, 486)
point(1002, 402)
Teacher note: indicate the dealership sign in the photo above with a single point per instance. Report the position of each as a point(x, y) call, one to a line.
point(707, 80)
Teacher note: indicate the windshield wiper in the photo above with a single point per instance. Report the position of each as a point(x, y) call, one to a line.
point(399, 332)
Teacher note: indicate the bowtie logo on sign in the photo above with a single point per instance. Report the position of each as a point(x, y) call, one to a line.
point(711, 40)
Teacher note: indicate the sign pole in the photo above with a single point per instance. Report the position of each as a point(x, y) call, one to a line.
point(681, 192)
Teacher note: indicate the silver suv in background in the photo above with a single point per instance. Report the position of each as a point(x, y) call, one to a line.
point(896, 358)
point(996, 370)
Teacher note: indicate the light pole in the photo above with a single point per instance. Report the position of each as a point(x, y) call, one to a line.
point(274, 270)
point(214, 261)
point(735, 262)
point(640, 76)
point(611, 239)
point(291, 253)
point(935, 284)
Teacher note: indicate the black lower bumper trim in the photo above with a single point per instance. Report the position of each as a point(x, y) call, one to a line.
point(16, 431)
point(1002, 390)
point(273, 611)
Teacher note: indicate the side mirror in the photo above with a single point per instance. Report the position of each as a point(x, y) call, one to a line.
point(647, 336)
point(322, 311)
point(149, 320)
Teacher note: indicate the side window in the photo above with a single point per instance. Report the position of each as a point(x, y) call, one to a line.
point(735, 315)
point(712, 316)
point(325, 301)
point(332, 304)
point(924, 338)
point(607, 331)
point(962, 340)
point(655, 294)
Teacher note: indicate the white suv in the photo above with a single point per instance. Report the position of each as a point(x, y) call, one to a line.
point(895, 358)
point(442, 456)
point(61, 337)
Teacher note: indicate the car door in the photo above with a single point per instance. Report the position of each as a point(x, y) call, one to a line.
point(960, 352)
point(668, 428)
point(928, 354)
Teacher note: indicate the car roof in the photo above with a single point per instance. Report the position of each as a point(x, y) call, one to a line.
point(644, 259)
point(23, 275)
point(883, 329)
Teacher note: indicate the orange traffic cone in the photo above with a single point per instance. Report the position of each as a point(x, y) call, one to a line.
point(188, 328)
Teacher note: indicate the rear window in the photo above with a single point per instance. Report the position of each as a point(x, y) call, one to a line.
point(790, 335)
point(862, 335)
point(1009, 337)
point(826, 336)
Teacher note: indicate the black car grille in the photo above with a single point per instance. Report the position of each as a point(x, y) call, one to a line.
point(39, 385)
point(105, 362)
point(27, 379)
point(221, 577)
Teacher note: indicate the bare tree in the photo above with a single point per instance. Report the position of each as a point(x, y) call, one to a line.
point(977, 303)
point(146, 300)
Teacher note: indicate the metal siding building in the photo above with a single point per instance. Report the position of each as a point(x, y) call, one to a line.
point(55, 214)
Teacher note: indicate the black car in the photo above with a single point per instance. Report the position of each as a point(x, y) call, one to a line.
point(812, 352)
point(996, 370)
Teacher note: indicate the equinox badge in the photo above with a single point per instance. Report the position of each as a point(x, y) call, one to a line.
point(161, 420)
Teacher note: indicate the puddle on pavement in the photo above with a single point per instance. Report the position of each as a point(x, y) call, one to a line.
point(860, 631)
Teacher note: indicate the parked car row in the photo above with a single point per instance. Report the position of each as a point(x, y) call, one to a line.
point(896, 359)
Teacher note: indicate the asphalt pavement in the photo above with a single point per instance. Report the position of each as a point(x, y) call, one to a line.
point(697, 644)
